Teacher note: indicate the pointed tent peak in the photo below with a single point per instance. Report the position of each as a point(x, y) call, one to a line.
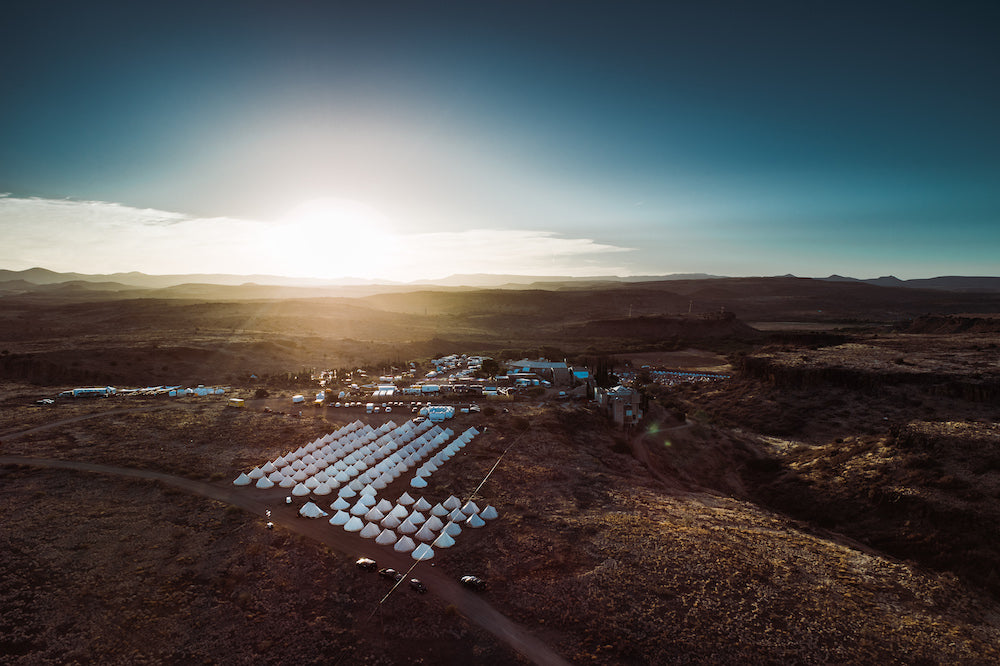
point(406, 527)
point(256, 473)
point(444, 540)
point(421, 505)
point(355, 524)
point(489, 513)
point(300, 490)
point(452, 529)
point(374, 515)
point(400, 511)
point(384, 505)
point(422, 552)
point(434, 523)
point(287, 482)
point(475, 521)
point(311, 483)
point(340, 504)
point(370, 531)
point(322, 489)
point(457, 516)
point(418, 482)
point(404, 545)
point(416, 518)
point(452, 503)
point(310, 510)
point(264, 483)
point(425, 534)
point(357, 486)
point(368, 490)
point(390, 522)
point(359, 509)
point(280, 462)
point(405, 499)
point(438, 510)
point(276, 476)
point(300, 476)
point(346, 492)
point(242, 480)
point(367, 500)
point(386, 537)
point(268, 467)
point(340, 518)
point(470, 508)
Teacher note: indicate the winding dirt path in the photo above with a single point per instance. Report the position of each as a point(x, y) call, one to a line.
point(255, 501)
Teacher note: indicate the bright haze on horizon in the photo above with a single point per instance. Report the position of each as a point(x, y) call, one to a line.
point(420, 139)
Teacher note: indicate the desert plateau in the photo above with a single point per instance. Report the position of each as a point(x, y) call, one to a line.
point(821, 490)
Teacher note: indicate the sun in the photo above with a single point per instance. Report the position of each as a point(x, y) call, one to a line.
point(330, 237)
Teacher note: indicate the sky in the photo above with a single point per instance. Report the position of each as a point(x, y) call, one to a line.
point(414, 140)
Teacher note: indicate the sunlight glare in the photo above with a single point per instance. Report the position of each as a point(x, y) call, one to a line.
point(347, 237)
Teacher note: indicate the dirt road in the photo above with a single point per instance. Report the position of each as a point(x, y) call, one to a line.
point(255, 501)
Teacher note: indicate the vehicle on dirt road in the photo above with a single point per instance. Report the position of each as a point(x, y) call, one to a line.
point(392, 574)
point(366, 564)
point(418, 586)
point(473, 582)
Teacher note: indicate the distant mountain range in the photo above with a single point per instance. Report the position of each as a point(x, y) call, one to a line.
point(945, 283)
point(41, 279)
point(43, 276)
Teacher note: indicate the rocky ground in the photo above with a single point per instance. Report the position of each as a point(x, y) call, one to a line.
point(689, 542)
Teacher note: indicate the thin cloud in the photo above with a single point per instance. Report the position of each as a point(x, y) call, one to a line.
point(104, 237)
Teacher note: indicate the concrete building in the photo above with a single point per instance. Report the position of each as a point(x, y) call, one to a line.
point(620, 404)
point(556, 372)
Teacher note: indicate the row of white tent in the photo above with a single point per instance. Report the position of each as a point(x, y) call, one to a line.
point(385, 522)
point(322, 467)
point(419, 479)
point(358, 461)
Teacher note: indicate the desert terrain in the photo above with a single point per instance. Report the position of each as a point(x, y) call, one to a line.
point(833, 499)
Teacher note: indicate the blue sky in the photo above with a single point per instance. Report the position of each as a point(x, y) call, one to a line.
point(411, 140)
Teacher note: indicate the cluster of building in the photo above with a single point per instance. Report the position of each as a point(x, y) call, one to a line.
point(172, 391)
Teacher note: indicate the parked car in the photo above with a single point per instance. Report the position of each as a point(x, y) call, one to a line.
point(473, 582)
point(366, 564)
point(45, 401)
point(390, 573)
point(418, 586)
